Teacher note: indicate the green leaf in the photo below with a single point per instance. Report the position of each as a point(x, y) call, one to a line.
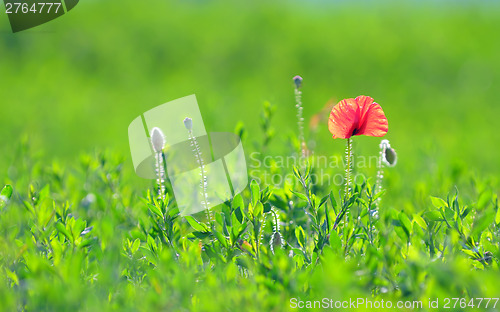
point(470, 253)
point(401, 232)
point(497, 217)
point(438, 202)
point(172, 213)
point(258, 209)
point(79, 226)
point(482, 222)
point(307, 172)
point(378, 195)
point(237, 203)
point(44, 193)
point(155, 210)
point(296, 172)
point(362, 202)
point(465, 213)
point(221, 238)
point(200, 235)
point(327, 219)
point(237, 216)
point(12, 275)
point(5, 195)
point(335, 241)
point(150, 256)
point(218, 219)
point(30, 207)
point(405, 222)
point(196, 225)
point(300, 235)
point(237, 231)
point(484, 199)
point(420, 221)
point(333, 202)
point(135, 245)
point(151, 244)
point(300, 195)
point(62, 229)
point(449, 214)
point(433, 215)
point(87, 243)
point(323, 200)
point(254, 188)
point(265, 194)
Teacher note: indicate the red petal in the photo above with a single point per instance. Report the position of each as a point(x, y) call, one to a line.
point(364, 103)
point(373, 121)
point(344, 119)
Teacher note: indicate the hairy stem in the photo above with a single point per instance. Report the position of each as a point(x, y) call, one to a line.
point(380, 176)
point(348, 168)
point(160, 172)
point(300, 121)
point(203, 182)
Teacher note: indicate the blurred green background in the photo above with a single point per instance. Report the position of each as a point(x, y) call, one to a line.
point(75, 84)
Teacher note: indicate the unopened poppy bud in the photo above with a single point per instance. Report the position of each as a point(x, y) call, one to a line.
point(298, 81)
point(389, 156)
point(157, 139)
point(188, 122)
point(276, 241)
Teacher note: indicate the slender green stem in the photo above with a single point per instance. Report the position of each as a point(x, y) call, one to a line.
point(203, 182)
point(300, 122)
point(370, 230)
point(380, 176)
point(348, 169)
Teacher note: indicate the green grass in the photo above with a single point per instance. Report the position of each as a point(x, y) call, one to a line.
point(82, 238)
point(70, 88)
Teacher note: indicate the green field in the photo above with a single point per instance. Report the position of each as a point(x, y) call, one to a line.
point(70, 88)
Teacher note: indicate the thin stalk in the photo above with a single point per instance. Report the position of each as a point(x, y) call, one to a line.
point(348, 177)
point(160, 172)
point(300, 121)
point(370, 231)
point(203, 182)
point(380, 176)
point(348, 168)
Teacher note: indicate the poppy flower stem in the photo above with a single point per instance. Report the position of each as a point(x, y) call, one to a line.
point(300, 119)
point(160, 172)
point(380, 175)
point(203, 183)
point(348, 168)
point(387, 158)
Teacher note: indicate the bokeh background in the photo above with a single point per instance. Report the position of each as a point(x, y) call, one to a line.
point(75, 84)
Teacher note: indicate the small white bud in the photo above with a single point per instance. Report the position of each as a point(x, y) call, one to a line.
point(157, 140)
point(389, 156)
point(384, 144)
point(276, 241)
point(188, 122)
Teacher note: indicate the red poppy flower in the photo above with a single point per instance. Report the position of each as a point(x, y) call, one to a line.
point(359, 116)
